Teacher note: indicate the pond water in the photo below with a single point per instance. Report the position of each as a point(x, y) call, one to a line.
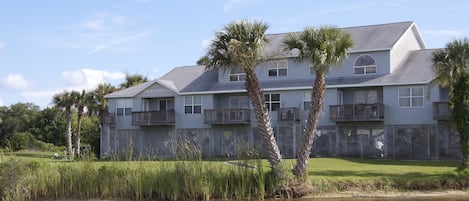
point(420, 198)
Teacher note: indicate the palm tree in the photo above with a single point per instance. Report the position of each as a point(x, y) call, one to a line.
point(132, 80)
point(65, 100)
point(99, 104)
point(239, 45)
point(451, 68)
point(322, 47)
point(81, 100)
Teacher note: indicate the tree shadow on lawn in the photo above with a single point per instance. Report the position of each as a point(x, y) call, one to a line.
point(425, 163)
point(371, 175)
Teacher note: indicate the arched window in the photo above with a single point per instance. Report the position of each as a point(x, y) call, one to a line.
point(237, 75)
point(364, 64)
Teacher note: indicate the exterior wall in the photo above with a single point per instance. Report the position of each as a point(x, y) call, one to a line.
point(407, 43)
point(346, 69)
point(191, 120)
point(394, 115)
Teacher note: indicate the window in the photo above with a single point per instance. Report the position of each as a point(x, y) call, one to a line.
point(239, 102)
point(193, 104)
point(279, 68)
point(411, 97)
point(365, 97)
point(312, 71)
point(124, 107)
point(272, 101)
point(364, 64)
point(237, 75)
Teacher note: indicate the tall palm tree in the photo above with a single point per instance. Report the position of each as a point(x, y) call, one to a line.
point(80, 101)
point(99, 104)
point(65, 101)
point(132, 80)
point(239, 45)
point(451, 68)
point(322, 47)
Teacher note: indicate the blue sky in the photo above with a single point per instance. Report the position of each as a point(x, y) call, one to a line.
point(49, 46)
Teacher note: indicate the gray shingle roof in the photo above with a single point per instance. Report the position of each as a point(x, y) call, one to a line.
point(365, 38)
point(415, 69)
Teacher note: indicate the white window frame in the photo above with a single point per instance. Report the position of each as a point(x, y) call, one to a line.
point(411, 96)
point(237, 76)
point(269, 102)
point(307, 101)
point(190, 101)
point(126, 106)
point(365, 67)
point(278, 67)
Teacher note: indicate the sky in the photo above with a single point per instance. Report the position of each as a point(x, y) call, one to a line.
point(49, 46)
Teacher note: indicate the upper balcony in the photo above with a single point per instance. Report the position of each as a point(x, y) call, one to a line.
point(357, 112)
point(441, 111)
point(108, 118)
point(228, 116)
point(153, 118)
point(288, 114)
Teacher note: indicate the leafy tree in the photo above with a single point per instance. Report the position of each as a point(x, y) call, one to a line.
point(19, 117)
point(49, 126)
point(451, 67)
point(132, 80)
point(322, 47)
point(22, 140)
point(65, 100)
point(239, 45)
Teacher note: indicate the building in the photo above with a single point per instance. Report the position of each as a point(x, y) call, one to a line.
point(376, 105)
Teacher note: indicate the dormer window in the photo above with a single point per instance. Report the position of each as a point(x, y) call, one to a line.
point(278, 68)
point(237, 75)
point(364, 64)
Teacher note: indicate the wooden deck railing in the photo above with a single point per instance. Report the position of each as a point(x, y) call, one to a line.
point(357, 112)
point(288, 114)
point(153, 118)
point(227, 116)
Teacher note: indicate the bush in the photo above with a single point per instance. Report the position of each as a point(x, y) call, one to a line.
point(22, 140)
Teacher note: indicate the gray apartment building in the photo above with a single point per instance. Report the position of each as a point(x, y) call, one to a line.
point(378, 104)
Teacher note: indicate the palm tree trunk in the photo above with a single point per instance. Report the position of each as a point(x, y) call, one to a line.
point(263, 118)
point(317, 97)
point(78, 137)
point(69, 132)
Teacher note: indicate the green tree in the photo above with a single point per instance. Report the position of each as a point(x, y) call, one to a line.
point(132, 80)
point(19, 117)
point(239, 45)
point(65, 100)
point(322, 47)
point(451, 68)
point(49, 126)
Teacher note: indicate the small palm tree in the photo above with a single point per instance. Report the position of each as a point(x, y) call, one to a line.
point(239, 45)
point(451, 68)
point(323, 47)
point(132, 80)
point(65, 101)
point(81, 100)
point(99, 104)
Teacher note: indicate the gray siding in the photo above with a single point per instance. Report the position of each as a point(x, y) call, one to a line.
point(407, 43)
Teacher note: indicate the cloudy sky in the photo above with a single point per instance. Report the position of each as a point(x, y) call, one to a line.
point(49, 46)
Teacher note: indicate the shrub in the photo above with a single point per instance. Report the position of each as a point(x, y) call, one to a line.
point(22, 140)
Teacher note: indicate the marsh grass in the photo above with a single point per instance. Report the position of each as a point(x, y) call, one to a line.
point(25, 177)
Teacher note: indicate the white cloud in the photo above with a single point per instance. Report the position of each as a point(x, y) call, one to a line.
point(154, 73)
point(94, 24)
point(42, 98)
point(16, 82)
point(2, 103)
point(118, 41)
point(89, 78)
point(2, 46)
point(207, 42)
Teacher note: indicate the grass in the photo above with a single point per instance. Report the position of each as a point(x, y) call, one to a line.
point(175, 180)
